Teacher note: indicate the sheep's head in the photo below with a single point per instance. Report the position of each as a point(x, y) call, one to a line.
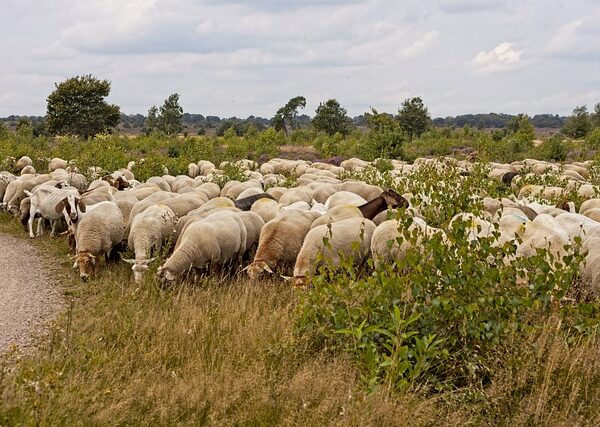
point(257, 268)
point(72, 205)
point(301, 282)
point(165, 276)
point(87, 263)
point(394, 200)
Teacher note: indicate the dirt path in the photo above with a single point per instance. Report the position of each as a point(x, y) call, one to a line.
point(27, 298)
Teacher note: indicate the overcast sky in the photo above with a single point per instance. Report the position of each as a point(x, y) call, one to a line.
point(238, 57)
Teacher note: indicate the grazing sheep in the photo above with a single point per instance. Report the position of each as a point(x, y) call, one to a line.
point(210, 242)
point(589, 204)
point(593, 214)
point(385, 247)
point(590, 270)
point(280, 241)
point(254, 224)
point(338, 213)
point(341, 240)
point(366, 191)
point(266, 208)
point(57, 163)
point(544, 232)
point(149, 231)
point(298, 194)
point(98, 233)
point(28, 170)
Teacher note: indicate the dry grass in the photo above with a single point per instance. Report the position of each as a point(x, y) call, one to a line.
point(224, 352)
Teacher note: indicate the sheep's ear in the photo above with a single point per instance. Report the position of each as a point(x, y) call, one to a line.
point(61, 206)
point(81, 206)
point(287, 278)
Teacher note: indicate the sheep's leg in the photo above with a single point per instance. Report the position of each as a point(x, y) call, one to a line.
point(30, 225)
point(53, 231)
point(40, 226)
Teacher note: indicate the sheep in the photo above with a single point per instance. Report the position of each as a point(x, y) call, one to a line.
point(341, 238)
point(211, 189)
point(246, 203)
point(15, 190)
point(43, 202)
point(28, 170)
point(366, 191)
point(543, 232)
point(193, 170)
point(338, 213)
point(98, 233)
point(202, 211)
point(298, 194)
point(385, 247)
point(213, 241)
point(266, 208)
point(233, 191)
point(57, 163)
point(160, 182)
point(276, 192)
point(149, 231)
point(23, 162)
point(589, 204)
point(248, 192)
point(280, 241)
point(593, 214)
point(254, 224)
point(344, 198)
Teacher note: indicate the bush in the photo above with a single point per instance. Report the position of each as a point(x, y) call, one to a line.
point(592, 140)
point(439, 316)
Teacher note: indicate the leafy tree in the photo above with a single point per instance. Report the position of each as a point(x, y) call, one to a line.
point(331, 118)
point(385, 136)
point(285, 117)
point(24, 128)
point(521, 128)
point(169, 120)
point(152, 120)
point(77, 107)
point(578, 125)
point(413, 117)
point(595, 116)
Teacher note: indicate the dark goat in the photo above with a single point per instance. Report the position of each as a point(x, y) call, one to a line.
point(508, 177)
point(564, 205)
point(246, 203)
point(387, 199)
point(119, 183)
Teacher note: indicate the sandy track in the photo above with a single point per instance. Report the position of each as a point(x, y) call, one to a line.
point(28, 298)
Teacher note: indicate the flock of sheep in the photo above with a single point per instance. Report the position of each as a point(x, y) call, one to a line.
point(262, 227)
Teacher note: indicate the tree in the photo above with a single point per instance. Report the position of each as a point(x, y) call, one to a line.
point(521, 128)
point(413, 117)
point(167, 119)
point(595, 116)
point(152, 120)
point(331, 118)
point(170, 115)
point(578, 125)
point(77, 107)
point(285, 117)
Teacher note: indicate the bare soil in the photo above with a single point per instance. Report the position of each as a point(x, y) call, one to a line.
point(28, 298)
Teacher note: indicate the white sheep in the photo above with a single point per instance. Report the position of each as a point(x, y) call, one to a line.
point(149, 231)
point(211, 242)
point(280, 241)
point(329, 243)
point(98, 233)
point(44, 200)
point(344, 198)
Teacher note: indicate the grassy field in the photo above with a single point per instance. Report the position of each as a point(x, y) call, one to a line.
point(226, 352)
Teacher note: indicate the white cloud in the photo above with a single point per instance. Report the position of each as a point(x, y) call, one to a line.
point(501, 58)
point(579, 38)
point(420, 45)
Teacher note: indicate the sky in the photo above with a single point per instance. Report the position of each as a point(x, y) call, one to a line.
point(239, 57)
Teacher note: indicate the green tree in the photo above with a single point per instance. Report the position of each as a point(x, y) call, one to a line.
point(285, 117)
point(595, 116)
point(152, 120)
point(77, 107)
point(414, 117)
point(521, 128)
point(578, 125)
point(24, 128)
point(385, 136)
point(331, 118)
point(169, 120)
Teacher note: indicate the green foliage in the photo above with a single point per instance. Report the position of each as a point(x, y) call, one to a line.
point(385, 135)
point(592, 140)
point(285, 117)
point(439, 315)
point(522, 130)
point(331, 118)
point(413, 117)
point(552, 148)
point(77, 107)
point(578, 125)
